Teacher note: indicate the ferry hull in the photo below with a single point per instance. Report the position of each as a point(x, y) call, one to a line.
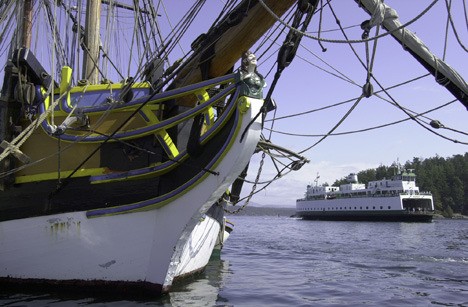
point(416, 208)
point(387, 216)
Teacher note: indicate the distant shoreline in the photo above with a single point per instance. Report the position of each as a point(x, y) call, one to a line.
point(291, 212)
point(262, 211)
point(456, 216)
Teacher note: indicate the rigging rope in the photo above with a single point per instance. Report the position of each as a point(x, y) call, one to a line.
point(366, 41)
point(287, 52)
point(26, 133)
point(276, 177)
point(375, 127)
point(29, 130)
point(336, 125)
point(349, 100)
point(377, 18)
point(346, 41)
point(252, 192)
point(416, 119)
point(449, 16)
point(61, 185)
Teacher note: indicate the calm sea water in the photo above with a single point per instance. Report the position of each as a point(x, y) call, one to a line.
point(280, 261)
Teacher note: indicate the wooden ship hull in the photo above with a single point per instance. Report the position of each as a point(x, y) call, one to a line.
point(107, 183)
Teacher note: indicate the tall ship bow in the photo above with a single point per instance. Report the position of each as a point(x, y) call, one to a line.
point(103, 183)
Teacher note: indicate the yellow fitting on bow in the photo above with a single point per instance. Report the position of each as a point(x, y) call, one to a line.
point(244, 104)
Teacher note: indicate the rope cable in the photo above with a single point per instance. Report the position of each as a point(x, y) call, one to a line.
point(335, 127)
point(370, 128)
point(449, 16)
point(346, 41)
point(415, 118)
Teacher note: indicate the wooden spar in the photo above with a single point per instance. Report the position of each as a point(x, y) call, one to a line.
point(27, 24)
point(445, 75)
point(229, 45)
point(91, 57)
point(132, 8)
point(7, 104)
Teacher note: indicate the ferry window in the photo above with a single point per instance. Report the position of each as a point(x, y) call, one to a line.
point(389, 207)
point(360, 208)
point(354, 208)
point(367, 207)
point(373, 207)
point(381, 207)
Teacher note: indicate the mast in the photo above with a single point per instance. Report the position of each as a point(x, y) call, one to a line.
point(27, 24)
point(444, 74)
point(220, 48)
point(24, 41)
point(8, 107)
point(91, 53)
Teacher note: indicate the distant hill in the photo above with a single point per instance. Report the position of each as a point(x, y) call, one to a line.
point(263, 211)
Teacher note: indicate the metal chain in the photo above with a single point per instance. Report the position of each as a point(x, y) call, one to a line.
point(254, 187)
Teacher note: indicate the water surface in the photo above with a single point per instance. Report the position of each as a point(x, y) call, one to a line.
point(281, 261)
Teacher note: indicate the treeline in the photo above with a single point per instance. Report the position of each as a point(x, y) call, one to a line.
point(446, 178)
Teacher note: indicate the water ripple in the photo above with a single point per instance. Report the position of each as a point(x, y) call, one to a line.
point(277, 261)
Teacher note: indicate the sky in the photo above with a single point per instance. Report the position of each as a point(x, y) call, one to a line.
point(304, 86)
point(311, 82)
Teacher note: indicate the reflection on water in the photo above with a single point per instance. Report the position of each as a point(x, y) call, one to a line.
point(199, 290)
point(202, 289)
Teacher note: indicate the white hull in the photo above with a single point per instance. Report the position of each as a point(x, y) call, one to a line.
point(223, 236)
point(195, 247)
point(198, 248)
point(123, 249)
point(398, 207)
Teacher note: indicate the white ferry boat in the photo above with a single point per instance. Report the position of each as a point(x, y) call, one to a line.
point(395, 199)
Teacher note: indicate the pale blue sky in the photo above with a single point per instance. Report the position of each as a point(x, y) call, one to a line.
point(304, 87)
